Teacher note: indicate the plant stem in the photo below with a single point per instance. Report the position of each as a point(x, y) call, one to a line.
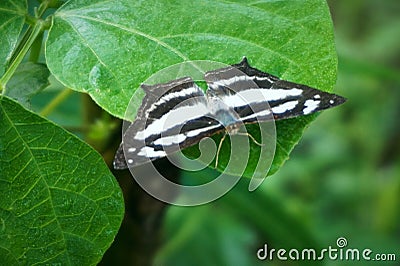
point(36, 48)
point(20, 56)
point(29, 38)
point(55, 102)
point(42, 8)
point(23, 40)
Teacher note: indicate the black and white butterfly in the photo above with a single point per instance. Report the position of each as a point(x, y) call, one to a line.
point(178, 114)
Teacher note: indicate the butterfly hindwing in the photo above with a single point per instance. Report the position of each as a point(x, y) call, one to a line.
point(172, 116)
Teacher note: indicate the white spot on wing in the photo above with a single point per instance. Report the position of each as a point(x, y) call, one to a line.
point(130, 161)
point(331, 101)
point(284, 107)
point(264, 78)
point(131, 149)
point(317, 96)
point(228, 81)
point(258, 114)
point(196, 132)
point(250, 96)
point(172, 95)
point(150, 152)
point(175, 117)
point(232, 80)
point(176, 139)
point(310, 105)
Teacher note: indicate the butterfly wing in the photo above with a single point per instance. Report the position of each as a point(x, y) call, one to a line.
point(172, 116)
point(248, 90)
point(177, 114)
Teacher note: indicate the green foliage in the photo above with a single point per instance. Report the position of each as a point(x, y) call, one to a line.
point(108, 49)
point(28, 80)
point(59, 203)
point(245, 225)
point(92, 46)
point(12, 16)
point(58, 200)
point(343, 178)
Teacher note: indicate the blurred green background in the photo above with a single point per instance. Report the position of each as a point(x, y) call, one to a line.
point(342, 180)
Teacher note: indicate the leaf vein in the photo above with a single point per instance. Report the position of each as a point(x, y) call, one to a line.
point(138, 32)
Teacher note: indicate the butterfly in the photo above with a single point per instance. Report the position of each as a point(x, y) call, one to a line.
point(179, 114)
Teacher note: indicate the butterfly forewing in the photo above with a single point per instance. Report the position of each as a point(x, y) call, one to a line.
point(253, 94)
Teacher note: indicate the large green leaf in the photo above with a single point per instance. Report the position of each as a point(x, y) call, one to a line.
point(59, 203)
point(108, 48)
point(12, 17)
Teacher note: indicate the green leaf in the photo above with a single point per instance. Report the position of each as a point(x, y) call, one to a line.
point(12, 17)
point(59, 203)
point(108, 48)
point(28, 80)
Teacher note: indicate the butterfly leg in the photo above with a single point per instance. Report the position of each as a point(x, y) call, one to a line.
point(240, 134)
point(251, 137)
point(219, 148)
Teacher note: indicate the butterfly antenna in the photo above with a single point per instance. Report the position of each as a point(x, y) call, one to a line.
point(219, 148)
point(251, 137)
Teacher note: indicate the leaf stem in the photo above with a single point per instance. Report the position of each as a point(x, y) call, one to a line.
point(55, 102)
point(37, 29)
